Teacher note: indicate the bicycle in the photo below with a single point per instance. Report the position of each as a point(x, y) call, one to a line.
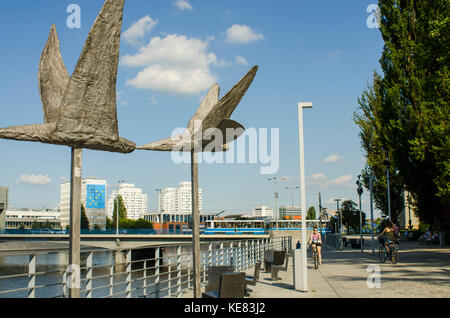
point(383, 253)
point(315, 255)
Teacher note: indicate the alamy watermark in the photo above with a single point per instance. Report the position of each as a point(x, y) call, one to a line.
point(73, 279)
point(374, 20)
point(74, 19)
point(374, 279)
point(210, 146)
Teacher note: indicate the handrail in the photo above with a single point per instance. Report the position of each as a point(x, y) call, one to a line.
point(168, 279)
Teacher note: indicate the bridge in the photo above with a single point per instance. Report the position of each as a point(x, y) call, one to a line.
point(18, 243)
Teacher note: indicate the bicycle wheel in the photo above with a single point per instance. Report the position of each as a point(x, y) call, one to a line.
point(382, 255)
point(316, 260)
point(394, 257)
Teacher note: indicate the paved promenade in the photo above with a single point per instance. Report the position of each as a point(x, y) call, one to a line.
point(423, 271)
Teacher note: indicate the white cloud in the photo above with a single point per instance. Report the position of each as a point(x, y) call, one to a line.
point(333, 158)
point(318, 177)
point(183, 5)
point(343, 180)
point(242, 34)
point(34, 179)
point(334, 54)
point(174, 64)
point(139, 29)
point(241, 60)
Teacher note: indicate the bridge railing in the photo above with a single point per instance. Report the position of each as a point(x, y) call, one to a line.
point(162, 271)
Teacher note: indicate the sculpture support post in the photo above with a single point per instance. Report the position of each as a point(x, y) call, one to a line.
point(75, 221)
point(195, 224)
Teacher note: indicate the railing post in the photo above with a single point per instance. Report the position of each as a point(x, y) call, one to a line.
point(111, 280)
point(144, 276)
point(89, 275)
point(210, 254)
point(240, 256)
point(128, 270)
point(246, 255)
point(231, 254)
point(221, 254)
point(179, 270)
point(190, 272)
point(64, 284)
point(32, 276)
point(157, 271)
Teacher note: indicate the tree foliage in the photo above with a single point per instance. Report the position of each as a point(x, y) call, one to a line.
point(311, 213)
point(84, 218)
point(122, 211)
point(351, 215)
point(372, 142)
point(413, 100)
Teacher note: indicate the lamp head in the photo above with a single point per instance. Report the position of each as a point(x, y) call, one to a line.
point(306, 105)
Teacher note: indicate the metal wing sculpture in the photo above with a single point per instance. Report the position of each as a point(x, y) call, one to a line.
point(81, 111)
point(212, 114)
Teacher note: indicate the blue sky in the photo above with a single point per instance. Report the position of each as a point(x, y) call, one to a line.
point(318, 51)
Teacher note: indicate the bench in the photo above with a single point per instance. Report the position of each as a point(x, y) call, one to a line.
point(231, 285)
point(252, 280)
point(278, 259)
point(214, 273)
point(276, 268)
point(268, 256)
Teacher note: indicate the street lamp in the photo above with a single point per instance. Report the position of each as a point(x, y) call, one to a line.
point(117, 220)
point(276, 200)
point(360, 192)
point(387, 163)
point(292, 198)
point(159, 205)
point(339, 217)
point(371, 179)
point(301, 106)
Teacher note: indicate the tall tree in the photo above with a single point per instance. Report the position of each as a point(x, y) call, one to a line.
point(414, 95)
point(122, 210)
point(311, 213)
point(351, 215)
point(84, 218)
point(372, 141)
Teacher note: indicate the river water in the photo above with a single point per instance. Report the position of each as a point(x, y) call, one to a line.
point(13, 265)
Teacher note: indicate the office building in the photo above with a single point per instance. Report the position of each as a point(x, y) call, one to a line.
point(25, 218)
point(134, 200)
point(93, 198)
point(263, 211)
point(289, 212)
point(179, 200)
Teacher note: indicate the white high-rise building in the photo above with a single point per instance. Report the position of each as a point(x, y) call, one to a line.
point(167, 200)
point(263, 211)
point(178, 200)
point(135, 201)
point(93, 198)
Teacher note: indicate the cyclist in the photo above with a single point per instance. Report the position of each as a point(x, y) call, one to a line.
point(389, 235)
point(316, 240)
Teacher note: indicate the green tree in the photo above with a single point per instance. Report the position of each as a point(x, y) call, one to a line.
point(109, 223)
point(311, 213)
point(84, 218)
point(122, 211)
point(351, 215)
point(415, 99)
point(372, 141)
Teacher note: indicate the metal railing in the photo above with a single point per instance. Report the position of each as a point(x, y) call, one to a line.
point(157, 272)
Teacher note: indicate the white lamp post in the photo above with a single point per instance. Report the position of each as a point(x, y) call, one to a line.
point(304, 276)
